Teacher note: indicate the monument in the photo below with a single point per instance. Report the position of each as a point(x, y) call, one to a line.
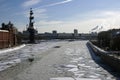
point(31, 29)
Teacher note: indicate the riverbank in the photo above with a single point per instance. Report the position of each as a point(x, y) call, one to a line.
point(11, 49)
point(111, 58)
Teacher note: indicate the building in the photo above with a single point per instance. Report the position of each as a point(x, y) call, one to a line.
point(4, 39)
point(65, 35)
point(55, 35)
point(76, 35)
point(8, 36)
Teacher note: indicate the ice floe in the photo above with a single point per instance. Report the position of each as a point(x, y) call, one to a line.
point(71, 66)
point(69, 78)
point(7, 64)
point(73, 69)
point(75, 60)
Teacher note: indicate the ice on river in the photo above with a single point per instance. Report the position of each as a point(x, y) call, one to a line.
point(76, 62)
point(69, 78)
point(81, 64)
point(7, 64)
point(12, 56)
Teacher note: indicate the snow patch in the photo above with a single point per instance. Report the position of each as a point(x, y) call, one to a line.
point(92, 76)
point(83, 65)
point(86, 79)
point(79, 75)
point(62, 78)
point(73, 69)
point(11, 49)
point(71, 66)
point(75, 60)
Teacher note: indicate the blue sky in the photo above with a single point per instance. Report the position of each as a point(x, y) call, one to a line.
point(62, 15)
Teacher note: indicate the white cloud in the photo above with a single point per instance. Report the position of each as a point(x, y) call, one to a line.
point(40, 14)
point(107, 19)
point(48, 23)
point(58, 3)
point(83, 22)
point(54, 4)
point(47, 26)
point(29, 3)
point(111, 19)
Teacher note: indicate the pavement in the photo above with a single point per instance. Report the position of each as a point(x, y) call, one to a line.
point(54, 60)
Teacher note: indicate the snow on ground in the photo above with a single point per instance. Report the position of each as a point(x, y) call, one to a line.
point(11, 49)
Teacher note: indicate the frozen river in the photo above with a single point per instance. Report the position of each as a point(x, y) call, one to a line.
point(54, 60)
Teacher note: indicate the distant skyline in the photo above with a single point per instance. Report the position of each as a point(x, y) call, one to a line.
point(62, 15)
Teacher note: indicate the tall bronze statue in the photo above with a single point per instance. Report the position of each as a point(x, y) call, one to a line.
point(31, 29)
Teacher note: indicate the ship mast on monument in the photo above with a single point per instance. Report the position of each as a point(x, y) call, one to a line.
point(31, 29)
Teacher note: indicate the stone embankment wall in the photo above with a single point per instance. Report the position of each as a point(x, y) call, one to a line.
point(112, 58)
